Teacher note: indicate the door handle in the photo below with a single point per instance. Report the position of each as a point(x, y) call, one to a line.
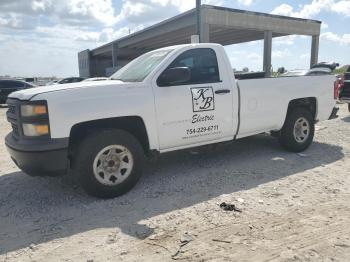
point(222, 91)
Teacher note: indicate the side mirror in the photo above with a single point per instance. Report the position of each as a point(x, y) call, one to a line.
point(174, 76)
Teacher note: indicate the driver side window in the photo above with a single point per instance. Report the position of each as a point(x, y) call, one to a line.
point(202, 64)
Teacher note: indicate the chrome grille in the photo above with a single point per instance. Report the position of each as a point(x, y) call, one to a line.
point(13, 116)
point(15, 129)
point(11, 109)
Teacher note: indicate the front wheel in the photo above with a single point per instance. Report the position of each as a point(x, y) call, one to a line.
point(298, 130)
point(108, 163)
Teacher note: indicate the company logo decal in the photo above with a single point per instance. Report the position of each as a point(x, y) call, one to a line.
point(202, 99)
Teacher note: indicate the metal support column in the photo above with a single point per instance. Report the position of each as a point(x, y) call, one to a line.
point(85, 66)
point(198, 17)
point(114, 54)
point(314, 49)
point(267, 53)
point(205, 34)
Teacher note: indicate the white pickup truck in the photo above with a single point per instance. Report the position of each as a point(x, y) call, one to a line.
point(168, 99)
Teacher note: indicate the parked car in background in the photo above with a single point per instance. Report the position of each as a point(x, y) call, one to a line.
point(297, 72)
point(330, 65)
point(322, 68)
point(53, 82)
point(318, 71)
point(344, 90)
point(30, 79)
point(8, 86)
point(95, 79)
point(69, 80)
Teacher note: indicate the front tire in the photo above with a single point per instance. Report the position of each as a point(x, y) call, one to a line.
point(298, 130)
point(108, 163)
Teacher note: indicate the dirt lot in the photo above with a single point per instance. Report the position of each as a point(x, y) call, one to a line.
point(294, 207)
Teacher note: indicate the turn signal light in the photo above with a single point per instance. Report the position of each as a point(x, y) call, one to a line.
point(35, 130)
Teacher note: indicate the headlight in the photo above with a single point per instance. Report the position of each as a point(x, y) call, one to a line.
point(35, 119)
point(35, 129)
point(33, 110)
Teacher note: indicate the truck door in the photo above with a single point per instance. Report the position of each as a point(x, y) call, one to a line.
point(198, 110)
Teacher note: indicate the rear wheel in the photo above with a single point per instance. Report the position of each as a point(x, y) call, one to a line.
point(298, 130)
point(108, 163)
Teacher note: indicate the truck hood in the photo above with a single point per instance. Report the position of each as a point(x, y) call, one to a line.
point(30, 93)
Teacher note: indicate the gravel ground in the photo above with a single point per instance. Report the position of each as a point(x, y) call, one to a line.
point(295, 207)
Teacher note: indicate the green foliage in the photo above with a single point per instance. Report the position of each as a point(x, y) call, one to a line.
point(340, 71)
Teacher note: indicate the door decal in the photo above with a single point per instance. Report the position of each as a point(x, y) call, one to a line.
point(202, 99)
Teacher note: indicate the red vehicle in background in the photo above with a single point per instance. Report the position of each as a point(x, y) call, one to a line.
point(344, 88)
point(338, 84)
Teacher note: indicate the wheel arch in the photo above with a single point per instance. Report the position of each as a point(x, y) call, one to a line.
point(309, 103)
point(131, 124)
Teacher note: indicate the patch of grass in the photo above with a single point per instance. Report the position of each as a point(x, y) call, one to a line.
point(340, 71)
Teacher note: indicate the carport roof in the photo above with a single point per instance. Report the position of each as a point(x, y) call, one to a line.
point(226, 26)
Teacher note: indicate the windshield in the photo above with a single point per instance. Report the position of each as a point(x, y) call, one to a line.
point(138, 69)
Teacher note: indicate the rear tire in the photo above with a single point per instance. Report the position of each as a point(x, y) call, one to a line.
point(108, 163)
point(298, 130)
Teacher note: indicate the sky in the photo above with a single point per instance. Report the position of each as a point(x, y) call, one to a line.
point(43, 37)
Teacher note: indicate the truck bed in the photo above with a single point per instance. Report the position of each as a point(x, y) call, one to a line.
point(264, 102)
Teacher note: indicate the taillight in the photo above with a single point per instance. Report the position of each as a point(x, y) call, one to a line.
point(337, 86)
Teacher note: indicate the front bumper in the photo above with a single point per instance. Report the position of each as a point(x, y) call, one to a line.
point(39, 158)
point(334, 113)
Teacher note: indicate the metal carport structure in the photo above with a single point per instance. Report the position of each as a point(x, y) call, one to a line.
point(221, 25)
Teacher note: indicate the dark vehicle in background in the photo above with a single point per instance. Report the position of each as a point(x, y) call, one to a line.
point(7, 86)
point(344, 92)
point(30, 79)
